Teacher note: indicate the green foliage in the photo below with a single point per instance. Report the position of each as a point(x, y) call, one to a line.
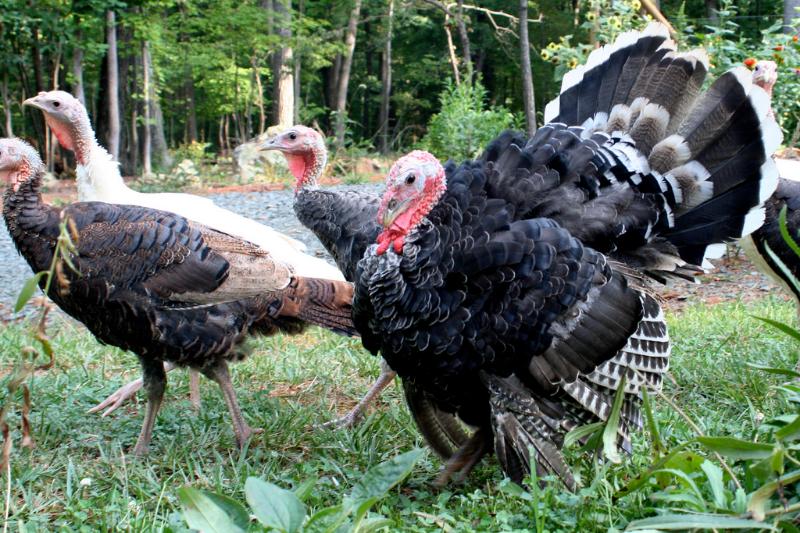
point(465, 124)
point(278, 509)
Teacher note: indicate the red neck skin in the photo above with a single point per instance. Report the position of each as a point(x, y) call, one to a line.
point(306, 167)
point(395, 234)
point(15, 178)
point(73, 138)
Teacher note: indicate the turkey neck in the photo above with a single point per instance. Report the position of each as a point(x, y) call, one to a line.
point(32, 224)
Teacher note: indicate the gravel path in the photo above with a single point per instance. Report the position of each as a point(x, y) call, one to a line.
point(273, 208)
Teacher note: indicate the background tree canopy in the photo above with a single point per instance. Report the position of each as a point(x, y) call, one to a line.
point(376, 75)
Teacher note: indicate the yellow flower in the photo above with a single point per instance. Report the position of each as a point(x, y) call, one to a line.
point(553, 46)
point(572, 63)
point(616, 22)
point(590, 16)
point(636, 5)
point(545, 55)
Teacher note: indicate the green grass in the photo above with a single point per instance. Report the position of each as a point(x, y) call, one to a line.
point(291, 384)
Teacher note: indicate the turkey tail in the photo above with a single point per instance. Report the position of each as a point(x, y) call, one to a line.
point(702, 158)
point(442, 431)
point(523, 424)
point(326, 303)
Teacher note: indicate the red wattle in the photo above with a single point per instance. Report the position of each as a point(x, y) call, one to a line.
point(297, 166)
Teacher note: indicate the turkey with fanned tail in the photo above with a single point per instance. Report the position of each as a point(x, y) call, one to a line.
point(515, 290)
point(165, 288)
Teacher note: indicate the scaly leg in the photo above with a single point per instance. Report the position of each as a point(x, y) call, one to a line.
point(118, 398)
point(155, 381)
point(241, 429)
point(357, 413)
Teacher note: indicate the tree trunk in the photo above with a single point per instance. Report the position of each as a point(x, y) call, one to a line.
point(262, 117)
point(344, 76)
point(464, 37)
point(527, 75)
point(451, 49)
point(301, 9)
point(386, 81)
point(77, 72)
point(283, 89)
point(158, 142)
point(789, 14)
point(7, 106)
point(711, 11)
point(191, 114)
point(113, 86)
point(148, 143)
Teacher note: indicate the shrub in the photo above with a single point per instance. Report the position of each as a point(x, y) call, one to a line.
point(465, 124)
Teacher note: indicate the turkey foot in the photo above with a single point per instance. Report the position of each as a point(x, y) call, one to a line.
point(155, 382)
point(357, 413)
point(464, 460)
point(241, 429)
point(118, 398)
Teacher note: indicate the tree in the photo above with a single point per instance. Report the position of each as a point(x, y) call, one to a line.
point(386, 81)
point(283, 89)
point(790, 12)
point(113, 86)
point(527, 75)
point(344, 75)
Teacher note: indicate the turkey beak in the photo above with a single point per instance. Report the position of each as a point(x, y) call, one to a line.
point(270, 144)
point(393, 210)
point(33, 102)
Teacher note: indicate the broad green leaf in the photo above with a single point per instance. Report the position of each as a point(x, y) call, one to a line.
point(685, 461)
point(378, 480)
point(775, 370)
point(373, 524)
point(652, 423)
point(760, 498)
point(687, 482)
point(579, 433)
point(612, 425)
point(736, 448)
point(642, 479)
point(714, 475)
point(208, 512)
point(361, 511)
point(789, 330)
point(273, 506)
point(324, 514)
point(678, 522)
point(28, 288)
point(790, 431)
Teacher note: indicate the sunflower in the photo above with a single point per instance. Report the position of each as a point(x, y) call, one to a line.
point(545, 54)
point(573, 62)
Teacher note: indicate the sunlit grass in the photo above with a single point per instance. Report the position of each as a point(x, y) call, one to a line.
point(80, 476)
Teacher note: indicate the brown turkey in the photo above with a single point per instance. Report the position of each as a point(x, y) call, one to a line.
point(167, 289)
point(516, 289)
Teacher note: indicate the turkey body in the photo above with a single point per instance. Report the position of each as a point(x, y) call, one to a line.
point(520, 297)
point(169, 290)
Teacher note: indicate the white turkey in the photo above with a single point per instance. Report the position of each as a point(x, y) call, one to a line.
point(516, 290)
point(99, 179)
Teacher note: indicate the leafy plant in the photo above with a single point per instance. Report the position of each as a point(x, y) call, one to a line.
point(278, 509)
point(465, 125)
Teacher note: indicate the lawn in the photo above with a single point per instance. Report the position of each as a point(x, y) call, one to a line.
point(79, 476)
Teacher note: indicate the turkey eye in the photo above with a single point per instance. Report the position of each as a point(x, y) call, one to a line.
point(293, 136)
point(392, 204)
point(56, 104)
point(410, 179)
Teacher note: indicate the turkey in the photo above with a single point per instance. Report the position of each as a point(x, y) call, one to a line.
point(165, 288)
point(346, 223)
point(516, 290)
point(766, 246)
point(99, 179)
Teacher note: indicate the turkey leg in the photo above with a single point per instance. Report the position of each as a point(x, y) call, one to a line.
point(155, 381)
point(464, 460)
point(118, 398)
point(241, 429)
point(357, 413)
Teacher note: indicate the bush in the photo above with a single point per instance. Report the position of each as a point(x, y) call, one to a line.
point(465, 125)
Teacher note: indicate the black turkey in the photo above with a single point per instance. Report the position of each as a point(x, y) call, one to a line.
point(515, 289)
point(167, 289)
point(346, 223)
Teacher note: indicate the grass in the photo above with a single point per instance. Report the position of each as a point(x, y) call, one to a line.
point(79, 477)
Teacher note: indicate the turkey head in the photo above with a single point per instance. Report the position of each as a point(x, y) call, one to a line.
point(18, 162)
point(415, 183)
point(305, 153)
point(68, 119)
point(765, 75)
